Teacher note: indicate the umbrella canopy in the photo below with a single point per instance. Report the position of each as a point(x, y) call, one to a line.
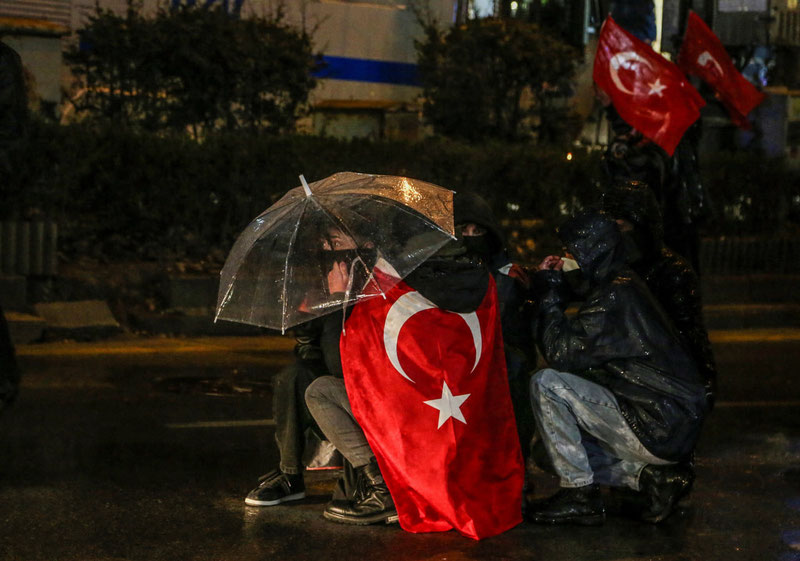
point(324, 245)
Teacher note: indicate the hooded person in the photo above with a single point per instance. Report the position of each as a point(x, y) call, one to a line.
point(483, 238)
point(669, 276)
point(382, 392)
point(675, 180)
point(622, 402)
point(452, 280)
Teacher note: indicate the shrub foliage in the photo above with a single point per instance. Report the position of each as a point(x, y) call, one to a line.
point(495, 78)
point(120, 194)
point(192, 68)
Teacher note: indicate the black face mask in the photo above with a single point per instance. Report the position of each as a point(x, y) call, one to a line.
point(478, 245)
point(577, 282)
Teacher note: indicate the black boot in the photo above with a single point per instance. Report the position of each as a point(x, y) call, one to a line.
point(371, 504)
point(663, 487)
point(571, 505)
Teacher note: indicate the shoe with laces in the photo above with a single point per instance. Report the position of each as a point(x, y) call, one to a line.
point(276, 487)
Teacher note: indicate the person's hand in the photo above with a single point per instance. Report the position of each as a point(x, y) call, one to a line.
point(520, 274)
point(338, 277)
point(551, 263)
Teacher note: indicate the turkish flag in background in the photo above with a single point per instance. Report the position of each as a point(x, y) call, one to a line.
point(430, 390)
point(703, 55)
point(649, 92)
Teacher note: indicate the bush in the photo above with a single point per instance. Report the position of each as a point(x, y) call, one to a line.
point(119, 194)
point(192, 68)
point(496, 78)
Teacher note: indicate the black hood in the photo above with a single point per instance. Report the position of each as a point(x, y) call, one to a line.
point(635, 202)
point(470, 207)
point(595, 242)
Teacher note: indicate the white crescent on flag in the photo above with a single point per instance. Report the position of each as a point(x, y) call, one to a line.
point(705, 59)
point(626, 60)
point(401, 311)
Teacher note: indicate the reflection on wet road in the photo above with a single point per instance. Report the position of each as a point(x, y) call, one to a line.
point(144, 450)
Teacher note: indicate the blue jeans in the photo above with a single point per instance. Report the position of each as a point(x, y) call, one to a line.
point(584, 432)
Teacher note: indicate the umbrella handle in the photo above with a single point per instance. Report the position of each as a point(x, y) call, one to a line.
point(306, 188)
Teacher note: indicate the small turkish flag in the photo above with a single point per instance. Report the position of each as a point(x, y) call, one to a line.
point(649, 92)
point(430, 390)
point(703, 55)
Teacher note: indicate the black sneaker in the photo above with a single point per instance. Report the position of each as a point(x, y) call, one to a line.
point(276, 487)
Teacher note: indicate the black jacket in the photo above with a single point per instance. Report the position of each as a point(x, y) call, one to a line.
point(621, 339)
point(669, 276)
point(515, 314)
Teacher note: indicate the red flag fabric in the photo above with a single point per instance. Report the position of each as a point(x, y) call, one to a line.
point(649, 92)
point(703, 54)
point(430, 390)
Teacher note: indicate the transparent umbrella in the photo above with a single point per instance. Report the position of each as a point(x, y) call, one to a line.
point(330, 243)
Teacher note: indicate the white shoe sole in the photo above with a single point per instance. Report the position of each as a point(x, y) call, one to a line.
point(256, 502)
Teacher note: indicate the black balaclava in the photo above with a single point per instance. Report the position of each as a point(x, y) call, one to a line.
point(472, 208)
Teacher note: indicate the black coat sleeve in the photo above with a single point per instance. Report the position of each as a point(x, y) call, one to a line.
point(597, 334)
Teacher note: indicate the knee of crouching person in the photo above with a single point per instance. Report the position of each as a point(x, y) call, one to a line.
point(543, 380)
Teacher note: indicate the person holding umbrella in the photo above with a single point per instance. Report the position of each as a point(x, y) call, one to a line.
point(431, 449)
point(301, 262)
point(316, 354)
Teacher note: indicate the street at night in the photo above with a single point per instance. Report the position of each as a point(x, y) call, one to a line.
point(583, 216)
point(144, 448)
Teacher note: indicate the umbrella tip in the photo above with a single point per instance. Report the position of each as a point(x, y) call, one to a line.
point(306, 188)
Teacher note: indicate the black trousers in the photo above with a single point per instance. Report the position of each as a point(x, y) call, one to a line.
point(292, 417)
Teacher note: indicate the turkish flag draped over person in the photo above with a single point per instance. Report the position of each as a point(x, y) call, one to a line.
point(703, 54)
point(430, 390)
point(649, 92)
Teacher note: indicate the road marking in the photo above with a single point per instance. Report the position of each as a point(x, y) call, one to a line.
point(754, 335)
point(155, 346)
point(272, 343)
point(271, 422)
point(777, 403)
point(223, 424)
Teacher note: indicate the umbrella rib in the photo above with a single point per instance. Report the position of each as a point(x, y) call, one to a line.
point(286, 264)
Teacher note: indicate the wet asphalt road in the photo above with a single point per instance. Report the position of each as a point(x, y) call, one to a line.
point(144, 449)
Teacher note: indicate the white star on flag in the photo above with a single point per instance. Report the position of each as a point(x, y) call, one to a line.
point(656, 87)
point(449, 405)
